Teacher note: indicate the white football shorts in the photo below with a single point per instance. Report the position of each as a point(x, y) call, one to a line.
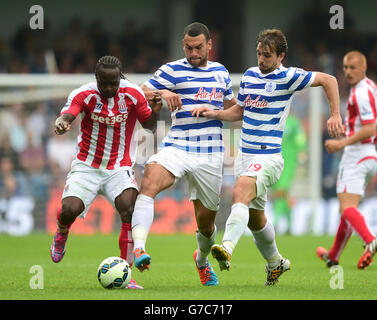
point(86, 182)
point(266, 169)
point(203, 173)
point(355, 172)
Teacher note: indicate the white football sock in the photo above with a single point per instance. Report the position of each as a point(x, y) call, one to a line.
point(204, 246)
point(265, 242)
point(142, 219)
point(235, 226)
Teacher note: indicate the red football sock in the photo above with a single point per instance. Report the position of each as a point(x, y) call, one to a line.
point(342, 236)
point(126, 243)
point(358, 223)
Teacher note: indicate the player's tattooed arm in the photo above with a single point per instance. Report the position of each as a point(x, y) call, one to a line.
point(63, 123)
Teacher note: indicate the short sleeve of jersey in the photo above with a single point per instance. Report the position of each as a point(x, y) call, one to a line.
point(163, 79)
point(228, 93)
point(299, 79)
point(366, 106)
point(75, 103)
point(143, 110)
point(241, 93)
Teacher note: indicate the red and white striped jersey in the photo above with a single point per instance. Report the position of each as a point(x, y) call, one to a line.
point(106, 136)
point(361, 109)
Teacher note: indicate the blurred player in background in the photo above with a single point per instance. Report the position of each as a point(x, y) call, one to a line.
point(293, 144)
point(193, 147)
point(263, 103)
point(110, 108)
point(359, 161)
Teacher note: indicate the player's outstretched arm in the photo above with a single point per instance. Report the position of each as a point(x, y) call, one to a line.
point(366, 131)
point(330, 85)
point(234, 113)
point(173, 100)
point(63, 123)
point(153, 97)
point(154, 100)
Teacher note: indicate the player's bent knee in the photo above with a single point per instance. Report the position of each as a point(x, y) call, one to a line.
point(206, 231)
point(152, 185)
point(237, 198)
point(244, 193)
point(125, 202)
point(149, 187)
point(71, 210)
point(126, 214)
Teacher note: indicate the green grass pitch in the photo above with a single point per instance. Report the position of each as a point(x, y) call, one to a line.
point(173, 275)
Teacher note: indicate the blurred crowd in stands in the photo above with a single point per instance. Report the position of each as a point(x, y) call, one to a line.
point(33, 160)
point(77, 47)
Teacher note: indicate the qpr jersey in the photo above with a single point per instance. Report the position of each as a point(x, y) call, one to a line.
point(361, 110)
point(266, 99)
point(197, 86)
point(106, 136)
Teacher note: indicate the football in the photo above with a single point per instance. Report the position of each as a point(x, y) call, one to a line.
point(114, 272)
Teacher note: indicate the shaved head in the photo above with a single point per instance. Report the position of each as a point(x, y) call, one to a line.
point(354, 67)
point(357, 55)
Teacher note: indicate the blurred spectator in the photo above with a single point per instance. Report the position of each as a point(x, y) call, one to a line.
point(12, 183)
point(99, 38)
point(128, 40)
point(18, 134)
point(372, 62)
point(13, 122)
point(61, 150)
point(33, 163)
point(324, 58)
point(37, 61)
point(8, 118)
point(38, 123)
point(6, 150)
point(4, 55)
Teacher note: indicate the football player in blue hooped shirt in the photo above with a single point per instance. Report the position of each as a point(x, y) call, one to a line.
point(263, 103)
point(193, 147)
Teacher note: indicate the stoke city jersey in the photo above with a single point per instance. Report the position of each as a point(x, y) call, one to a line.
point(197, 86)
point(266, 99)
point(361, 110)
point(106, 136)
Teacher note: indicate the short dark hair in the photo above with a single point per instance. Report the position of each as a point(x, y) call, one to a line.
point(274, 39)
point(109, 62)
point(195, 29)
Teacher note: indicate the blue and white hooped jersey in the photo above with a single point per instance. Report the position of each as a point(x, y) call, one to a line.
point(266, 99)
point(197, 86)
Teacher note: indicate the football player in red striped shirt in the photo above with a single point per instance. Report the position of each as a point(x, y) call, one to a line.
point(359, 161)
point(106, 150)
